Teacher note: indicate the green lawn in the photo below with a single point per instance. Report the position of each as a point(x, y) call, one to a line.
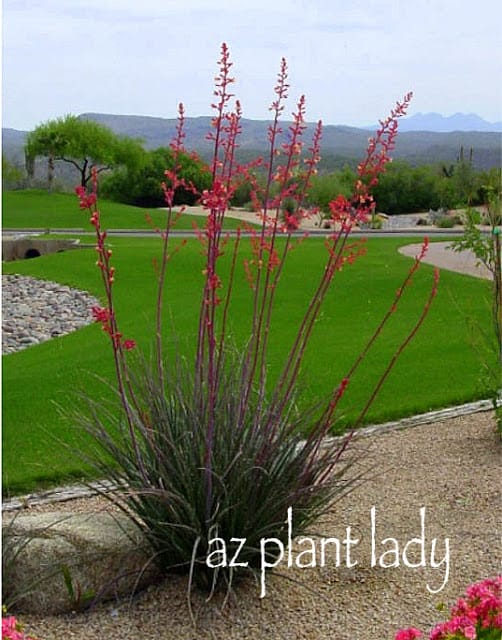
point(38, 209)
point(440, 368)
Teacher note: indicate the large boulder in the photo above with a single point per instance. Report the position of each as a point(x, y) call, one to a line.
point(57, 562)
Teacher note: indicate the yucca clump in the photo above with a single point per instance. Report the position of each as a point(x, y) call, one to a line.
point(205, 451)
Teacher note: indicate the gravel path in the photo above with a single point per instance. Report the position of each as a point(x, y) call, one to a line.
point(451, 468)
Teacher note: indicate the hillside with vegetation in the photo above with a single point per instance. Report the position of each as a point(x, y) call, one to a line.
point(430, 170)
point(340, 144)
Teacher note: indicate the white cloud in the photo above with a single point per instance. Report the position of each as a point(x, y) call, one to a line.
point(351, 59)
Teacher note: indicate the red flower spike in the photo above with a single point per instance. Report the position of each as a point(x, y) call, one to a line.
point(424, 249)
point(100, 314)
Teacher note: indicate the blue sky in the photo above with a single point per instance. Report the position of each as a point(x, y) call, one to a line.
point(352, 59)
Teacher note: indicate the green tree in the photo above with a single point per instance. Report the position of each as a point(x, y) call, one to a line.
point(141, 185)
point(406, 189)
point(85, 144)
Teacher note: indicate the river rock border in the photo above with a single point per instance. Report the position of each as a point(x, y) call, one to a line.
point(34, 311)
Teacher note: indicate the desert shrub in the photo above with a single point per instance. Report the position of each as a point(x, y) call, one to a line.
point(326, 187)
point(406, 189)
point(472, 216)
point(140, 185)
point(445, 222)
point(206, 452)
point(241, 195)
point(249, 207)
point(487, 247)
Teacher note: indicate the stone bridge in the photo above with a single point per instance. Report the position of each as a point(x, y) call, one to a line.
point(22, 247)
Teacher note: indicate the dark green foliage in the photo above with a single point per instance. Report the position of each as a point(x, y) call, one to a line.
point(446, 222)
point(141, 186)
point(326, 187)
point(79, 599)
point(405, 189)
point(490, 194)
point(242, 194)
point(466, 183)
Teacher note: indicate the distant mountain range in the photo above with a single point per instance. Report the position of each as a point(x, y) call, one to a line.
point(340, 144)
point(437, 123)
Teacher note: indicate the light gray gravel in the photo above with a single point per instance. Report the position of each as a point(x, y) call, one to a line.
point(452, 468)
point(34, 311)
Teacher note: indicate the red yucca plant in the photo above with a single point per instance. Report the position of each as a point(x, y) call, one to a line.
point(208, 452)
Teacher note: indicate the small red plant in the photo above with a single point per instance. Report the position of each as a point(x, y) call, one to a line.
point(476, 616)
point(12, 629)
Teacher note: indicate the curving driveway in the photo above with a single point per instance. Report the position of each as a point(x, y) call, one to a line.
point(441, 256)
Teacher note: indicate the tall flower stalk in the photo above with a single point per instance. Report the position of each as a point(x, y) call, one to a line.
point(214, 448)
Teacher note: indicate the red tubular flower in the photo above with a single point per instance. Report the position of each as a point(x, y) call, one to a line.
point(100, 314)
point(217, 198)
point(408, 634)
point(340, 208)
point(116, 339)
point(94, 220)
point(424, 249)
point(339, 393)
point(87, 201)
point(291, 223)
point(214, 281)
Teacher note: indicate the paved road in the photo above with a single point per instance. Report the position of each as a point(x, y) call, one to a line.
point(146, 233)
point(438, 254)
